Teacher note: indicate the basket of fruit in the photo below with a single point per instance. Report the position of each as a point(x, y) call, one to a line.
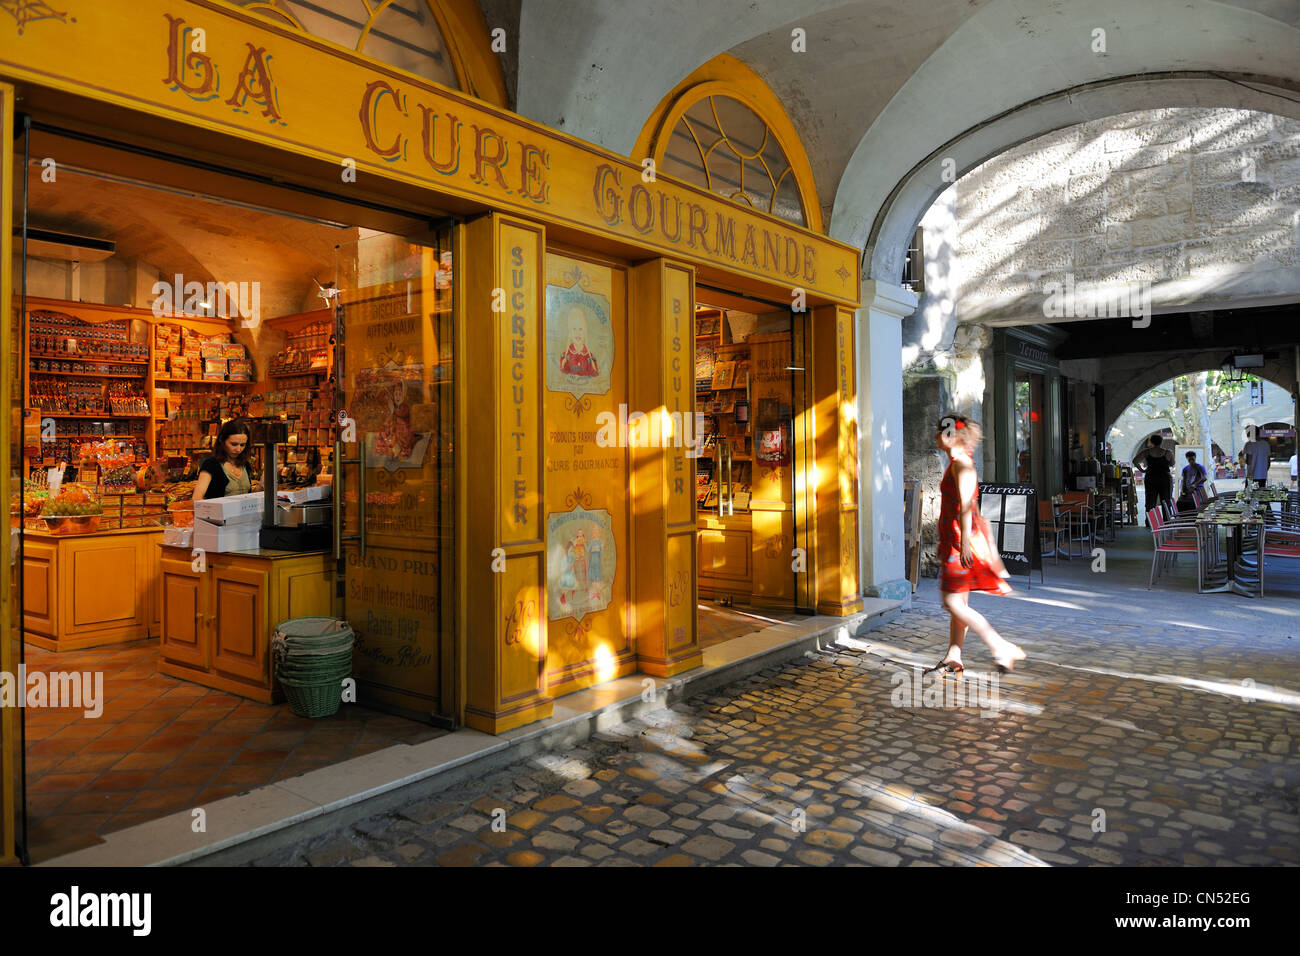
point(73, 511)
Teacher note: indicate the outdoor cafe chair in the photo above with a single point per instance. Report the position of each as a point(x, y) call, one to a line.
point(1063, 517)
point(1082, 526)
point(1170, 539)
point(1103, 514)
point(1049, 529)
point(1276, 543)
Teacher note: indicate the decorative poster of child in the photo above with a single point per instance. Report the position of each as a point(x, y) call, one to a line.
point(580, 563)
point(579, 341)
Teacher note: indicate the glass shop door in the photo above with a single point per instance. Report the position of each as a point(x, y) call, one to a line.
point(394, 476)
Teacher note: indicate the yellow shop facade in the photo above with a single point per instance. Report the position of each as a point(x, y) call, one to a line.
point(569, 393)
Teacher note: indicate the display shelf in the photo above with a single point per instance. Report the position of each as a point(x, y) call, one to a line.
point(142, 374)
point(198, 381)
point(102, 416)
point(78, 357)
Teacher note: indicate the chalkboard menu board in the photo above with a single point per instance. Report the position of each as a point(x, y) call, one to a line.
point(1012, 514)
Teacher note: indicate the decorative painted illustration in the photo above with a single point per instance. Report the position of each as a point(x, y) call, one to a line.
point(384, 401)
point(25, 11)
point(579, 340)
point(580, 562)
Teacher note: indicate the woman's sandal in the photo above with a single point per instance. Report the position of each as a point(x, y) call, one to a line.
point(947, 666)
point(1004, 665)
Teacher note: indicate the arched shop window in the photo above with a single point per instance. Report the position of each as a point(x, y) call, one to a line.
point(724, 146)
point(723, 130)
point(418, 36)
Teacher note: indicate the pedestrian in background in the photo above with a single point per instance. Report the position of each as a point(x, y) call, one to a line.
point(968, 557)
point(1193, 477)
point(1256, 453)
point(1159, 473)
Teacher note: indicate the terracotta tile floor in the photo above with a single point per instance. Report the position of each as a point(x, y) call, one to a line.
point(163, 745)
point(717, 623)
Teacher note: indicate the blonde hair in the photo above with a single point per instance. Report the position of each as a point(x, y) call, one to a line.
point(968, 432)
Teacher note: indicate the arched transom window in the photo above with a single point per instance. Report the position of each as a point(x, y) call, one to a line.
point(723, 145)
point(401, 33)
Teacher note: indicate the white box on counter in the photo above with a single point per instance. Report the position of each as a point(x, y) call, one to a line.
point(247, 520)
point(237, 538)
point(222, 510)
point(300, 496)
point(177, 537)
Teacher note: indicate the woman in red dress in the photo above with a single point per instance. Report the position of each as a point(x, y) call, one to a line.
point(968, 561)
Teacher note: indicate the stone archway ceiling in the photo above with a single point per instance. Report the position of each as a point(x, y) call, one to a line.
point(887, 84)
point(597, 69)
point(1018, 70)
point(861, 55)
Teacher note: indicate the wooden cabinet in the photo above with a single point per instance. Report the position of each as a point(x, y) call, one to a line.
point(181, 595)
point(85, 590)
point(725, 557)
point(238, 620)
point(217, 621)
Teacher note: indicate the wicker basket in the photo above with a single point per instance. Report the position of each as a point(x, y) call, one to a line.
point(312, 657)
point(316, 698)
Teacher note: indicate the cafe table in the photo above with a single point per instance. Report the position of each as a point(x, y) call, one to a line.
point(1236, 576)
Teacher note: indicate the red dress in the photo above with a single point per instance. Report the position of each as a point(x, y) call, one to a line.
point(982, 575)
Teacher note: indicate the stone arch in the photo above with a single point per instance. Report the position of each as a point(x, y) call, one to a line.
point(900, 166)
point(1125, 386)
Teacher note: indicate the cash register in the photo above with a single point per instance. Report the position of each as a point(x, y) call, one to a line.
point(305, 521)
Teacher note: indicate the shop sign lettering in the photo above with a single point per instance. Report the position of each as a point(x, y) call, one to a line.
point(518, 300)
point(446, 144)
point(190, 70)
point(654, 210)
point(675, 376)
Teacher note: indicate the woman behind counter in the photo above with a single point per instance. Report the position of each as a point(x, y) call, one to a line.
point(226, 471)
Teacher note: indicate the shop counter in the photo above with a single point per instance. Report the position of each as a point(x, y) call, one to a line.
point(84, 590)
point(218, 615)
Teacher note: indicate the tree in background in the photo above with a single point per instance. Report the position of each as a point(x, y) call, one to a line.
point(1187, 402)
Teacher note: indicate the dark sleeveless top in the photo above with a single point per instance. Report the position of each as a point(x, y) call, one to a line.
point(220, 480)
point(1158, 468)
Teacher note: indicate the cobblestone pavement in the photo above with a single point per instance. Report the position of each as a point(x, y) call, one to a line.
point(1113, 744)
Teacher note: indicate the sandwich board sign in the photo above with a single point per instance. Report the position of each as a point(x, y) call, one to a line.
point(1012, 514)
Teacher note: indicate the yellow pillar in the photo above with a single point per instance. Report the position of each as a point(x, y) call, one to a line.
point(502, 460)
point(835, 402)
point(663, 478)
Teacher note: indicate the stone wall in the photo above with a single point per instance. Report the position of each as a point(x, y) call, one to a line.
point(1204, 204)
